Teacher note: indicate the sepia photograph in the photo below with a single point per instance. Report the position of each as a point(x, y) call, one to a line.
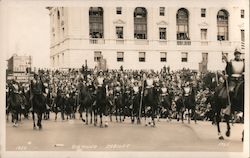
point(124, 78)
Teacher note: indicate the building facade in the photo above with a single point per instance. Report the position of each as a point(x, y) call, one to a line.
point(18, 66)
point(145, 34)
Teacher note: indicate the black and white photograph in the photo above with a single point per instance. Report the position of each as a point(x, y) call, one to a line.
point(124, 78)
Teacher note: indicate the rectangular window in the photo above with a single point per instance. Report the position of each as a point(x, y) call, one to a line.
point(162, 11)
point(163, 33)
point(242, 13)
point(203, 34)
point(119, 32)
point(120, 56)
point(222, 33)
point(184, 57)
point(242, 35)
point(163, 56)
point(205, 57)
point(97, 56)
point(118, 10)
point(203, 12)
point(142, 56)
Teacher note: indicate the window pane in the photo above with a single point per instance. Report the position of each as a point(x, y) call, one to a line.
point(118, 10)
point(203, 12)
point(242, 13)
point(162, 11)
point(140, 23)
point(119, 32)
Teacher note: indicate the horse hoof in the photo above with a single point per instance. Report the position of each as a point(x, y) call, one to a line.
point(34, 128)
point(242, 139)
point(228, 133)
point(83, 120)
point(221, 138)
point(106, 125)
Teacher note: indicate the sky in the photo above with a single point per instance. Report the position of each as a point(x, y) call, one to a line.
point(27, 31)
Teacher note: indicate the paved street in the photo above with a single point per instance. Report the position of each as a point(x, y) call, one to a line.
point(166, 136)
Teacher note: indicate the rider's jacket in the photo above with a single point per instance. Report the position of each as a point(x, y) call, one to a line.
point(235, 69)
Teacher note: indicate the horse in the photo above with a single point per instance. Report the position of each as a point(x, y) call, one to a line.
point(151, 102)
point(128, 105)
point(180, 108)
point(14, 101)
point(136, 105)
point(86, 101)
point(189, 102)
point(38, 107)
point(166, 106)
point(58, 100)
point(119, 103)
point(100, 105)
point(227, 102)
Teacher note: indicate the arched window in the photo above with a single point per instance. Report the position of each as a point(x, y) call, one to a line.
point(182, 20)
point(96, 22)
point(140, 23)
point(222, 25)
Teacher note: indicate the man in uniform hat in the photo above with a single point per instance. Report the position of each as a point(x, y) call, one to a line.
point(235, 71)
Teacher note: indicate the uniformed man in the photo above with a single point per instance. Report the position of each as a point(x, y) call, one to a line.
point(235, 71)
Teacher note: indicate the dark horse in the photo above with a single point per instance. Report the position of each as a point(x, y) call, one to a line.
point(86, 101)
point(151, 102)
point(189, 102)
point(14, 100)
point(38, 103)
point(100, 104)
point(229, 102)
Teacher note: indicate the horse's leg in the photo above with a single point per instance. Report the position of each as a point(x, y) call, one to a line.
point(218, 119)
point(227, 118)
point(195, 116)
point(153, 116)
point(101, 119)
point(87, 110)
point(33, 118)
point(91, 115)
point(242, 138)
point(39, 121)
point(110, 113)
point(116, 113)
point(182, 116)
point(95, 117)
point(55, 115)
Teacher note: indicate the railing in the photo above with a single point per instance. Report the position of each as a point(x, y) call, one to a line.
point(225, 43)
point(141, 41)
point(242, 45)
point(204, 43)
point(96, 41)
point(163, 42)
point(183, 42)
point(119, 41)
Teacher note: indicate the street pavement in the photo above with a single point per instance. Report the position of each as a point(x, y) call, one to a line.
point(71, 135)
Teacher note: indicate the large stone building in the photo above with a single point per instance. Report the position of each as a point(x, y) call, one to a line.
point(147, 34)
